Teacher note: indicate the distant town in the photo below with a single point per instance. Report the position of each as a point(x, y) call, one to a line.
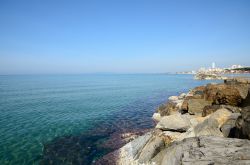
point(234, 69)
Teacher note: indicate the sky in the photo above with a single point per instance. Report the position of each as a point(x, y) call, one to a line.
point(122, 36)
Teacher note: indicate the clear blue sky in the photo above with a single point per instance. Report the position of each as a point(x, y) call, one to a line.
point(122, 36)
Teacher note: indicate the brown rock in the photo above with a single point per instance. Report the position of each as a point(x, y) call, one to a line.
point(184, 106)
point(207, 110)
point(195, 106)
point(198, 92)
point(223, 94)
point(167, 109)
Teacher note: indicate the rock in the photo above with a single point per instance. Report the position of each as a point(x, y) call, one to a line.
point(173, 123)
point(173, 98)
point(207, 110)
point(195, 106)
point(153, 147)
point(179, 105)
point(223, 94)
point(232, 108)
point(198, 92)
point(205, 150)
point(208, 76)
point(212, 125)
point(243, 124)
point(243, 90)
point(169, 136)
point(227, 127)
point(184, 106)
point(182, 96)
point(246, 101)
point(157, 116)
point(129, 153)
point(167, 109)
point(238, 80)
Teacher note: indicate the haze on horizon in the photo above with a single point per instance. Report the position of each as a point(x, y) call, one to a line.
point(127, 36)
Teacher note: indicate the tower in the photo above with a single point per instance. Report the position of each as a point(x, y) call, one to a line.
point(213, 65)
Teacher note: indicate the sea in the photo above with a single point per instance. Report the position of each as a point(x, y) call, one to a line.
point(66, 119)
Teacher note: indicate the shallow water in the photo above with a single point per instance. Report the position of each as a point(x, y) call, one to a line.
point(38, 110)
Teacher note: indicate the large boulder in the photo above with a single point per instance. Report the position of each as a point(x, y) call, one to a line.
point(243, 124)
point(174, 122)
point(205, 150)
point(154, 145)
point(223, 94)
point(228, 127)
point(212, 125)
point(128, 154)
point(195, 106)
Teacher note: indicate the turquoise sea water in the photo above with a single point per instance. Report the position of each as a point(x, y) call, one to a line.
point(38, 109)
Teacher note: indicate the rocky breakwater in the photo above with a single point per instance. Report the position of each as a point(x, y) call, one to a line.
point(208, 125)
point(208, 76)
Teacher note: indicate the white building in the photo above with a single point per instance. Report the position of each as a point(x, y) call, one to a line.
point(236, 66)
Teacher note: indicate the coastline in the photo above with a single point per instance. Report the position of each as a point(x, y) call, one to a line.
point(189, 126)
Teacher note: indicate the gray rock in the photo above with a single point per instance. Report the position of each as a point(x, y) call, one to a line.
point(243, 124)
point(174, 123)
point(129, 153)
point(229, 125)
point(153, 147)
point(205, 150)
point(212, 125)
